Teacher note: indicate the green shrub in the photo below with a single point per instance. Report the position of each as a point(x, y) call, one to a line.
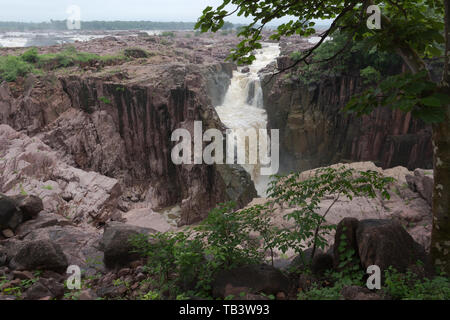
point(12, 67)
point(105, 100)
point(226, 233)
point(30, 55)
point(66, 58)
point(370, 75)
point(136, 53)
point(168, 34)
point(353, 56)
point(172, 259)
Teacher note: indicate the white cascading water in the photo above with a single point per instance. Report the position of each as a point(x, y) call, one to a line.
point(243, 105)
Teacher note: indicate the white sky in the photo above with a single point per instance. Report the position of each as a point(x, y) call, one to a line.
point(152, 10)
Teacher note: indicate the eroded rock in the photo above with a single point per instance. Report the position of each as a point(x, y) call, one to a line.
point(30, 166)
point(39, 255)
point(386, 243)
point(116, 244)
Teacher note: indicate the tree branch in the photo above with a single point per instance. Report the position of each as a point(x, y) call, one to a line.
point(323, 36)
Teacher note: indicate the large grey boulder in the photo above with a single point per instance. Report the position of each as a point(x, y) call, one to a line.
point(10, 214)
point(45, 288)
point(386, 243)
point(423, 183)
point(29, 205)
point(80, 245)
point(116, 245)
point(39, 255)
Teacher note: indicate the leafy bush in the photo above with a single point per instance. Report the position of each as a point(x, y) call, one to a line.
point(325, 293)
point(189, 260)
point(66, 58)
point(226, 233)
point(30, 55)
point(409, 286)
point(12, 67)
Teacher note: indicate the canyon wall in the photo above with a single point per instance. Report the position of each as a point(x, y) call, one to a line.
point(315, 132)
point(122, 128)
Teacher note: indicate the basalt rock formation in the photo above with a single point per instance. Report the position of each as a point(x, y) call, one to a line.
point(118, 121)
point(315, 132)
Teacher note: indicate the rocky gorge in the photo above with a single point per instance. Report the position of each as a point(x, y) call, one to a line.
point(316, 132)
point(85, 163)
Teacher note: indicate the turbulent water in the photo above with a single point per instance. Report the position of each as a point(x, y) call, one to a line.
point(243, 106)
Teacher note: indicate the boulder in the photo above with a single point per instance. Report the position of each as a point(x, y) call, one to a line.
point(250, 279)
point(358, 293)
point(386, 243)
point(423, 183)
point(8, 233)
point(116, 246)
point(36, 292)
point(321, 263)
point(45, 288)
point(30, 205)
point(23, 275)
point(10, 214)
point(306, 282)
point(79, 244)
point(39, 255)
point(56, 288)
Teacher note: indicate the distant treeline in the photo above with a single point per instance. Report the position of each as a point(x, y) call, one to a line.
point(101, 25)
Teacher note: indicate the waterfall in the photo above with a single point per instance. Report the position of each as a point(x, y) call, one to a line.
point(243, 105)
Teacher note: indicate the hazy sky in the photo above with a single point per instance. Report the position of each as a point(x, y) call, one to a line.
point(155, 10)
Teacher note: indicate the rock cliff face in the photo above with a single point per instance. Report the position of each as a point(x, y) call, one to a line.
point(119, 124)
point(314, 132)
